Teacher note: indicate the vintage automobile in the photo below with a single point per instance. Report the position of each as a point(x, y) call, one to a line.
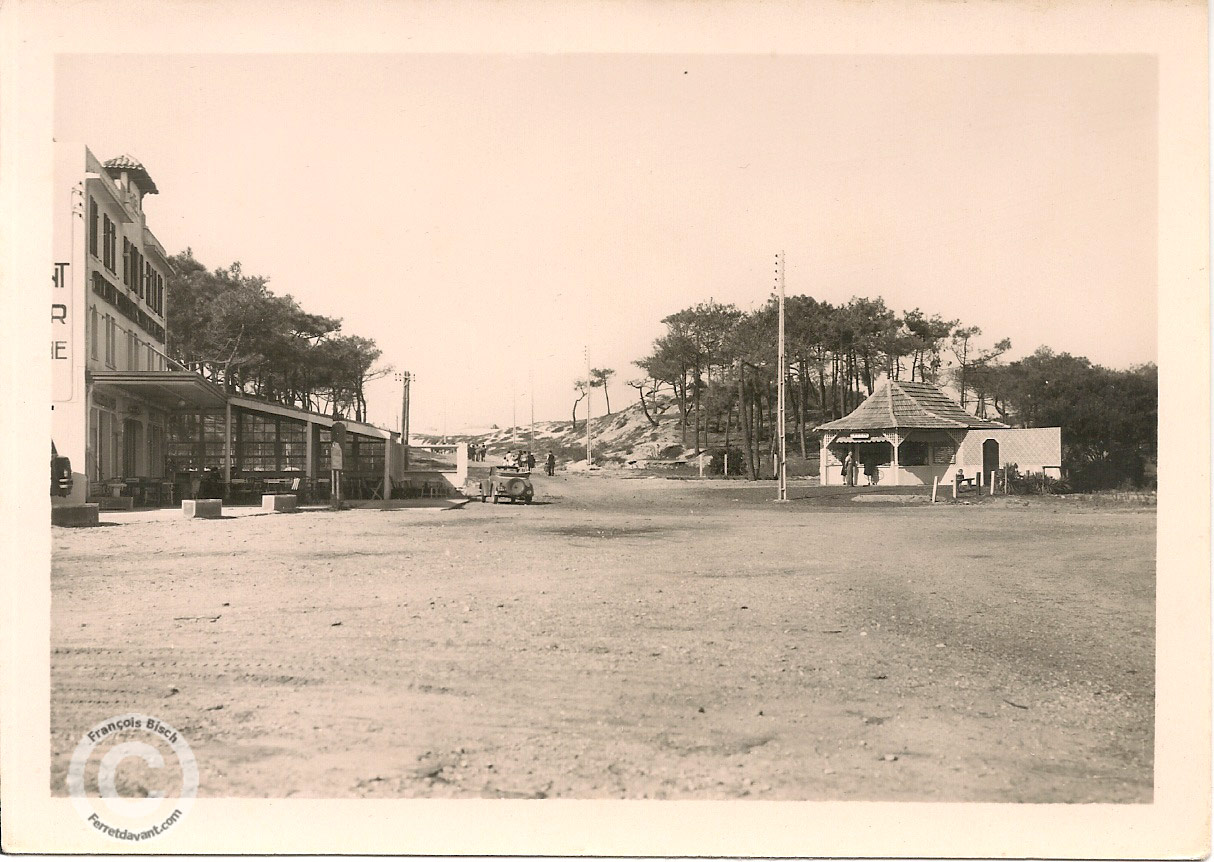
point(507, 484)
point(61, 474)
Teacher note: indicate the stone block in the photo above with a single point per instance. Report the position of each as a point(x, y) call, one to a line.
point(116, 504)
point(75, 516)
point(202, 508)
point(279, 502)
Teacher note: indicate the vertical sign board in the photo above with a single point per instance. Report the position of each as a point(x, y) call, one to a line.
point(69, 309)
point(62, 376)
point(336, 461)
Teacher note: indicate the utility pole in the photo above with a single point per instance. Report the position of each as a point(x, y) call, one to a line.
point(780, 387)
point(589, 392)
point(405, 378)
point(513, 416)
point(531, 390)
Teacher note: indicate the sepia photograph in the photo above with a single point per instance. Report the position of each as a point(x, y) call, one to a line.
point(740, 427)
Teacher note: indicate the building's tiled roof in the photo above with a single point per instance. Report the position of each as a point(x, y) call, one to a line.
point(899, 404)
point(130, 164)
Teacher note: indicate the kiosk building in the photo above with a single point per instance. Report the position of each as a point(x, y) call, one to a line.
point(913, 434)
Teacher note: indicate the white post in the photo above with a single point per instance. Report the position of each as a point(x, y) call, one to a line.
point(726, 465)
point(935, 484)
point(700, 459)
point(461, 464)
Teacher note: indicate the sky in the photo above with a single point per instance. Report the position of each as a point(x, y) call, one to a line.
point(496, 222)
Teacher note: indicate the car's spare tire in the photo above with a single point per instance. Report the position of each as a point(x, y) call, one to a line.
point(516, 487)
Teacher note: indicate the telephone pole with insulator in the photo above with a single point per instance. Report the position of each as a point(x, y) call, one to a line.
point(781, 371)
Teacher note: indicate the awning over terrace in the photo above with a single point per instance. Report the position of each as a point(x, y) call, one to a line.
point(170, 391)
point(299, 415)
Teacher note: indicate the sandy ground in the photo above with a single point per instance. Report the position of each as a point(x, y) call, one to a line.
point(627, 638)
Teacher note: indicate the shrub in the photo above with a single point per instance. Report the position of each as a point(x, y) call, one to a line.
point(671, 452)
point(1033, 483)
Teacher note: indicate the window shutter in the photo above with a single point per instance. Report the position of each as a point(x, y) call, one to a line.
point(92, 227)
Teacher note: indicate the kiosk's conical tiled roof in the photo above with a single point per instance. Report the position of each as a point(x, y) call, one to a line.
point(899, 404)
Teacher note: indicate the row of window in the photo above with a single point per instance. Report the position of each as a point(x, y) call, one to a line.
point(141, 277)
point(139, 355)
point(263, 443)
point(138, 275)
point(911, 453)
point(127, 307)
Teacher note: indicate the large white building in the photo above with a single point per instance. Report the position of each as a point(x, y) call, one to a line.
point(139, 428)
point(113, 385)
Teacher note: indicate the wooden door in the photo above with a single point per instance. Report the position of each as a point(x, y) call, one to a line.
point(990, 458)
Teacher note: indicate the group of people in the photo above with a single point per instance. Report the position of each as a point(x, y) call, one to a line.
point(518, 460)
point(524, 460)
point(851, 470)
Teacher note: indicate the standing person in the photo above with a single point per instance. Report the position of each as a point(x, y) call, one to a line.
point(551, 464)
point(847, 462)
point(530, 461)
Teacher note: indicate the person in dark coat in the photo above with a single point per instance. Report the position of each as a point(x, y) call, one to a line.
point(530, 461)
point(550, 464)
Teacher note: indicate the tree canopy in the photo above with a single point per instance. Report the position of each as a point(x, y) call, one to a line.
point(721, 365)
point(231, 328)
